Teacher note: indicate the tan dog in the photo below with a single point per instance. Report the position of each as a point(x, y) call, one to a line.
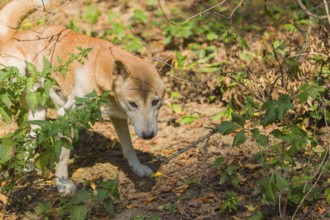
point(135, 84)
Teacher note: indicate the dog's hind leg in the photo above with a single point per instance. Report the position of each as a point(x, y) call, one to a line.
point(63, 183)
point(122, 130)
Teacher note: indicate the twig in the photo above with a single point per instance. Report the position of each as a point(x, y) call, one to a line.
point(201, 139)
point(142, 41)
point(326, 10)
point(204, 157)
point(308, 12)
point(190, 18)
point(247, 88)
point(281, 68)
point(319, 172)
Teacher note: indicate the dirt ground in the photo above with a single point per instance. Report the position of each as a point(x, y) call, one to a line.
point(186, 187)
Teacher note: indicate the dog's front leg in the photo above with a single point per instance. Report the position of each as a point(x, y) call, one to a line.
point(63, 183)
point(122, 130)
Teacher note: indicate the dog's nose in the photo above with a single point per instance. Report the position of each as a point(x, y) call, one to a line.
point(148, 135)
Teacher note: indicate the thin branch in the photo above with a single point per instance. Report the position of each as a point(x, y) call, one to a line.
point(281, 68)
point(320, 170)
point(199, 140)
point(190, 18)
point(326, 10)
point(308, 12)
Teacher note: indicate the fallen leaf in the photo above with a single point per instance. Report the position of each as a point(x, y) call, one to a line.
point(3, 198)
point(179, 190)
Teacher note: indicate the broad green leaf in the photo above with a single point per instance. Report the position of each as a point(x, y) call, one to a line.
point(327, 195)
point(78, 212)
point(234, 181)
point(223, 178)
point(231, 169)
point(43, 160)
point(239, 138)
point(226, 127)
point(281, 182)
point(65, 142)
point(5, 114)
point(283, 105)
point(32, 99)
point(243, 44)
point(290, 27)
point(42, 209)
point(270, 115)
point(310, 91)
point(5, 150)
point(260, 138)
point(187, 119)
point(108, 205)
point(219, 161)
point(6, 100)
point(257, 216)
point(268, 190)
point(92, 14)
point(238, 119)
point(80, 196)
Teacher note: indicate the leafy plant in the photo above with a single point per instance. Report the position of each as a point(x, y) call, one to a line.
point(18, 147)
point(230, 204)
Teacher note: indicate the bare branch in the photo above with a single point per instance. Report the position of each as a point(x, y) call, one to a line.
point(308, 12)
point(200, 13)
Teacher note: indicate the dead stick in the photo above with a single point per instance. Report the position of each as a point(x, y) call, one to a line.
point(212, 132)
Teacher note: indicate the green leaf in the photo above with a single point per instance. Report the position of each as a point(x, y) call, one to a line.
point(78, 212)
point(327, 195)
point(231, 169)
point(226, 127)
point(32, 99)
point(239, 138)
point(243, 44)
point(187, 119)
point(260, 138)
point(234, 181)
point(5, 150)
point(310, 91)
point(284, 105)
point(43, 160)
point(5, 114)
point(270, 115)
point(257, 216)
point(80, 197)
point(92, 14)
point(42, 208)
point(238, 119)
point(223, 178)
point(290, 27)
point(108, 205)
point(219, 161)
point(6, 100)
point(268, 190)
point(281, 182)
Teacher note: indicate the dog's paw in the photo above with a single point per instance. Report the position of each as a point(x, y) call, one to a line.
point(65, 186)
point(142, 170)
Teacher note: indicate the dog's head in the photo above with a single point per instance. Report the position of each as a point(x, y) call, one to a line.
point(139, 92)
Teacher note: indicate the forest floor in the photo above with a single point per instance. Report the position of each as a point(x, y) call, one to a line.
point(187, 186)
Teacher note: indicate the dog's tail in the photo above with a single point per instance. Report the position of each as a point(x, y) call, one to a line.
point(13, 13)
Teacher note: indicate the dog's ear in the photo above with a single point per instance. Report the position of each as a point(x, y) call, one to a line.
point(120, 69)
point(165, 65)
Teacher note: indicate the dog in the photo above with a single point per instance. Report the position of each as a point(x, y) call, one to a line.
point(136, 89)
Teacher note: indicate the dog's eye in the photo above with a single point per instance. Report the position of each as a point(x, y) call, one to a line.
point(133, 104)
point(155, 102)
